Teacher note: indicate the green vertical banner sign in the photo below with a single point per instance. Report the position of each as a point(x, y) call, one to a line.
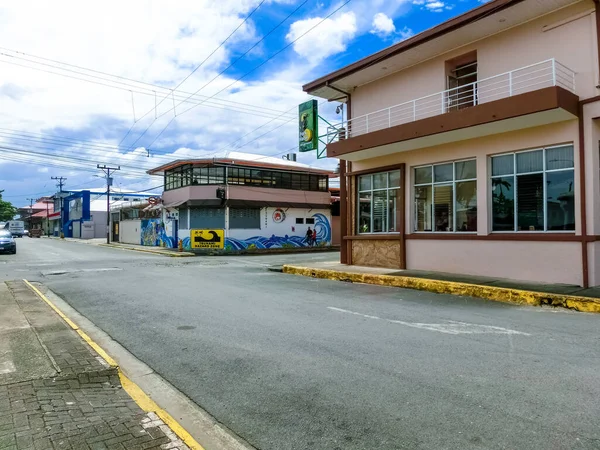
point(309, 129)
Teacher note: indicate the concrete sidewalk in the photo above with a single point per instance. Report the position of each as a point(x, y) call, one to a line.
point(497, 289)
point(171, 252)
point(57, 393)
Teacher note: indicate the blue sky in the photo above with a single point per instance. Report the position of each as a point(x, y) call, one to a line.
point(56, 116)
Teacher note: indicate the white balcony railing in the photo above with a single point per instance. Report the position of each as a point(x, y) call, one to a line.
point(525, 79)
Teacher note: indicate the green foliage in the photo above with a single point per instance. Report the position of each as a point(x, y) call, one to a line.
point(7, 210)
point(252, 247)
point(287, 245)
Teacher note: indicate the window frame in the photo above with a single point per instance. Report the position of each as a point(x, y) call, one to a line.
point(433, 183)
point(371, 191)
point(515, 174)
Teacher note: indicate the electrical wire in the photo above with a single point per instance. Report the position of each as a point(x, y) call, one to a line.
point(197, 67)
point(153, 86)
point(225, 69)
point(249, 72)
point(245, 109)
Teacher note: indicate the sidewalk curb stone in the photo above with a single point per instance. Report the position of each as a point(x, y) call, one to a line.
point(501, 294)
point(83, 406)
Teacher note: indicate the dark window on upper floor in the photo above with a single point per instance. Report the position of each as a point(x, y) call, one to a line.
point(187, 175)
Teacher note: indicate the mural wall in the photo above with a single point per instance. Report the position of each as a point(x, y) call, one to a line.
point(285, 233)
point(155, 235)
point(278, 229)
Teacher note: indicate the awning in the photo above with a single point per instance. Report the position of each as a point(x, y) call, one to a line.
point(174, 204)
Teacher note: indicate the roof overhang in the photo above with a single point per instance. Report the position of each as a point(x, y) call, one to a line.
point(536, 108)
point(237, 162)
point(488, 19)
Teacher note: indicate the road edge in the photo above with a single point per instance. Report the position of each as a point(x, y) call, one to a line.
point(141, 398)
point(144, 250)
point(499, 294)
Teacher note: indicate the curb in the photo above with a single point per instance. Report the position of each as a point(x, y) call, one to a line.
point(135, 392)
point(169, 254)
point(499, 294)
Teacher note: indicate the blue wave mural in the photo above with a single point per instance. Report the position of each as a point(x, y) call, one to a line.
point(154, 234)
point(322, 226)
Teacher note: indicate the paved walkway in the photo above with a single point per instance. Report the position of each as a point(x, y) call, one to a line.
point(57, 393)
point(140, 248)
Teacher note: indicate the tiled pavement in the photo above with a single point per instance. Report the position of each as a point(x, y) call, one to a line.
point(81, 406)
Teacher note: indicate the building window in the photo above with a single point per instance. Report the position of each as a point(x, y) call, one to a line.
point(446, 197)
point(299, 221)
point(379, 198)
point(246, 218)
point(534, 190)
point(310, 221)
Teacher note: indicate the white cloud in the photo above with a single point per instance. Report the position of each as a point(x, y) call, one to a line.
point(332, 36)
point(382, 25)
point(433, 5)
point(147, 41)
point(404, 34)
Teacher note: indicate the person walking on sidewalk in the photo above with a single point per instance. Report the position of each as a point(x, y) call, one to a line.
point(314, 237)
point(308, 239)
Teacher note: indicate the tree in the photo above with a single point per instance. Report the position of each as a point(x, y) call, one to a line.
point(7, 210)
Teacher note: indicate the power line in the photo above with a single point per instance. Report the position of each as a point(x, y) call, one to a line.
point(243, 108)
point(194, 71)
point(221, 72)
point(150, 90)
point(89, 146)
point(28, 152)
point(247, 73)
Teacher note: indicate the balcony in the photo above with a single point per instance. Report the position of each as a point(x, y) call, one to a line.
point(527, 90)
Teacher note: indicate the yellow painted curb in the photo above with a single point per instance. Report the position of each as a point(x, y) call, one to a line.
point(500, 294)
point(135, 392)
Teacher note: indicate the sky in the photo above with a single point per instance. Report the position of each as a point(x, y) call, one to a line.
point(141, 83)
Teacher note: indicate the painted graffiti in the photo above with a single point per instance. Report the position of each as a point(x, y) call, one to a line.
point(154, 234)
point(322, 226)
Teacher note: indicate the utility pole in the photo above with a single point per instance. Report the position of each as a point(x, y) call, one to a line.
point(48, 219)
point(107, 170)
point(61, 182)
point(31, 200)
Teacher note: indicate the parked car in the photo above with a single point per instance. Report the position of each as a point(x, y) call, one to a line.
point(7, 242)
point(16, 227)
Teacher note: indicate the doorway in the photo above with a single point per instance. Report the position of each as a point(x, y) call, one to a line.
point(461, 82)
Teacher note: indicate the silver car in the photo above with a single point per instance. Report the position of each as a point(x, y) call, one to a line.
point(7, 242)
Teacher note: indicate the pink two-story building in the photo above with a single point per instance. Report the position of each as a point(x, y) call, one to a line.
point(473, 147)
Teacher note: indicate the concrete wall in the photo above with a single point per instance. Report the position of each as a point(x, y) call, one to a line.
point(481, 149)
point(548, 262)
point(251, 193)
point(130, 231)
point(572, 44)
point(99, 219)
point(336, 231)
point(552, 262)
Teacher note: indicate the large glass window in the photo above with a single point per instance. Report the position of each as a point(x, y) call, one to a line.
point(534, 190)
point(379, 199)
point(446, 197)
point(202, 175)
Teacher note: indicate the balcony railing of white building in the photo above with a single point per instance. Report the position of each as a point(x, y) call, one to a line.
point(519, 81)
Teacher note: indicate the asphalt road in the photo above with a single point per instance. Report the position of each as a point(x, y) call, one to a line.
point(296, 363)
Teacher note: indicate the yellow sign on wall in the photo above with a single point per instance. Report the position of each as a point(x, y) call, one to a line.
point(207, 238)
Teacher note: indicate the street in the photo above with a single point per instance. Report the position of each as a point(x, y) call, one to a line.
point(290, 362)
